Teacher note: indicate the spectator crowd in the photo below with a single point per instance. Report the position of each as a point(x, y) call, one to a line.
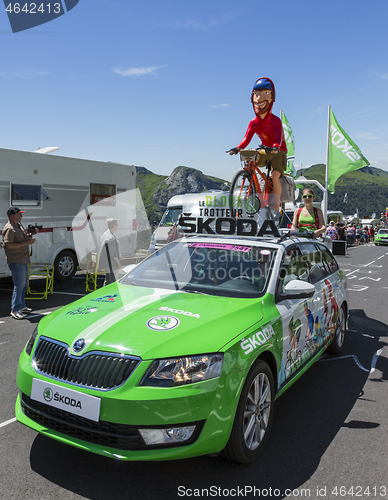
point(351, 233)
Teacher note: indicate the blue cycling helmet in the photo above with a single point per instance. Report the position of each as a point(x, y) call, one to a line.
point(264, 84)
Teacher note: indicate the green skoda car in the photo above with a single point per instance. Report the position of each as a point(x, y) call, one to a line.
point(381, 238)
point(187, 353)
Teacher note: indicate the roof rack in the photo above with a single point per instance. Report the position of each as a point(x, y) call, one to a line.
point(296, 234)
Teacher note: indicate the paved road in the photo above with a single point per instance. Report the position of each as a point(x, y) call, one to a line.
point(330, 429)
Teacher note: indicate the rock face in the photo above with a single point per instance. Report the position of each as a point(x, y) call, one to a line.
point(184, 180)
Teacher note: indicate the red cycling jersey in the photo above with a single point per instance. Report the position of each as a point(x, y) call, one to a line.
point(270, 131)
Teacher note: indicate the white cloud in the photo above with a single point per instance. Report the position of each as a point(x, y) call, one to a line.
point(189, 24)
point(369, 136)
point(145, 70)
point(198, 25)
point(23, 73)
point(221, 105)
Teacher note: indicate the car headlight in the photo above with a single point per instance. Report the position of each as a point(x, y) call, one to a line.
point(185, 370)
point(30, 343)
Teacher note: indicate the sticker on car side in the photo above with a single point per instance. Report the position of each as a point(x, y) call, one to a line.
point(251, 343)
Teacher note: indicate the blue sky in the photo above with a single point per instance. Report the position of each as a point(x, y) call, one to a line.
point(167, 83)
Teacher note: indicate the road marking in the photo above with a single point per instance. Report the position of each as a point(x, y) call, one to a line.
point(375, 357)
point(6, 342)
point(8, 422)
point(369, 278)
point(357, 288)
point(37, 315)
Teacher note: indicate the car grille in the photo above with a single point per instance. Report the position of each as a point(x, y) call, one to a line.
point(109, 434)
point(99, 370)
point(119, 436)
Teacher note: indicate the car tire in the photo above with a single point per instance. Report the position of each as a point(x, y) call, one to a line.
point(337, 344)
point(254, 415)
point(65, 265)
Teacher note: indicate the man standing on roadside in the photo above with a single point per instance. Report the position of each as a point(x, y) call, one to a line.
point(109, 258)
point(16, 241)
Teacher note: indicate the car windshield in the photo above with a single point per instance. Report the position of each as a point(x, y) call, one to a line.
point(383, 231)
point(224, 269)
point(170, 216)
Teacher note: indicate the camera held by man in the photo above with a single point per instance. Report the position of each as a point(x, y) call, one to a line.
point(31, 228)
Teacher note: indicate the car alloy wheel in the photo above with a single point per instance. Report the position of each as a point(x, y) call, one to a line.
point(254, 415)
point(257, 411)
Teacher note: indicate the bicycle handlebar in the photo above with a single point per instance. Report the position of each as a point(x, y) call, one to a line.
point(233, 151)
point(267, 149)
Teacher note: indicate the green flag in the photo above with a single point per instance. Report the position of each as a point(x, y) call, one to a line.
point(289, 138)
point(344, 155)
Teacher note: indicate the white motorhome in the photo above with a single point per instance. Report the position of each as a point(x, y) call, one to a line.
point(52, 190)
point(170, 217)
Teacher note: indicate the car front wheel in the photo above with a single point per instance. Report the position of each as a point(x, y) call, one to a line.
point(254, 415)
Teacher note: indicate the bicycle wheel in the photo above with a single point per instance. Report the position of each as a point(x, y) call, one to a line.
point(243, 190)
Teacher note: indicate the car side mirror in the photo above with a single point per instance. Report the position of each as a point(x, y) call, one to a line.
point(297, 289)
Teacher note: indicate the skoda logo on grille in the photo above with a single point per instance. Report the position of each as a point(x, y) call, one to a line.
point(79, 345)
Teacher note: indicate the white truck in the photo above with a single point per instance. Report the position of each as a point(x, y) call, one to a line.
point(52, 190)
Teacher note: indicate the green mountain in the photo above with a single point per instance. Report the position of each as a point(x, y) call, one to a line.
point(156, 189)
point(366, 188)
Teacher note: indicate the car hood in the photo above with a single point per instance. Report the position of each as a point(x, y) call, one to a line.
point(150, 322)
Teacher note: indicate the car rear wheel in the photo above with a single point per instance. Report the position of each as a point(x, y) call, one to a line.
point(65, 265)
point(254, 415)
point(338, 341)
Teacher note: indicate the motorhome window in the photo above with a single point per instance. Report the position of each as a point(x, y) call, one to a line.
point(170, 216)
point(104, 193)
point(28, 195)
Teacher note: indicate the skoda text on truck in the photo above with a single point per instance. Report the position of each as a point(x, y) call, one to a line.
point(52, 190)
